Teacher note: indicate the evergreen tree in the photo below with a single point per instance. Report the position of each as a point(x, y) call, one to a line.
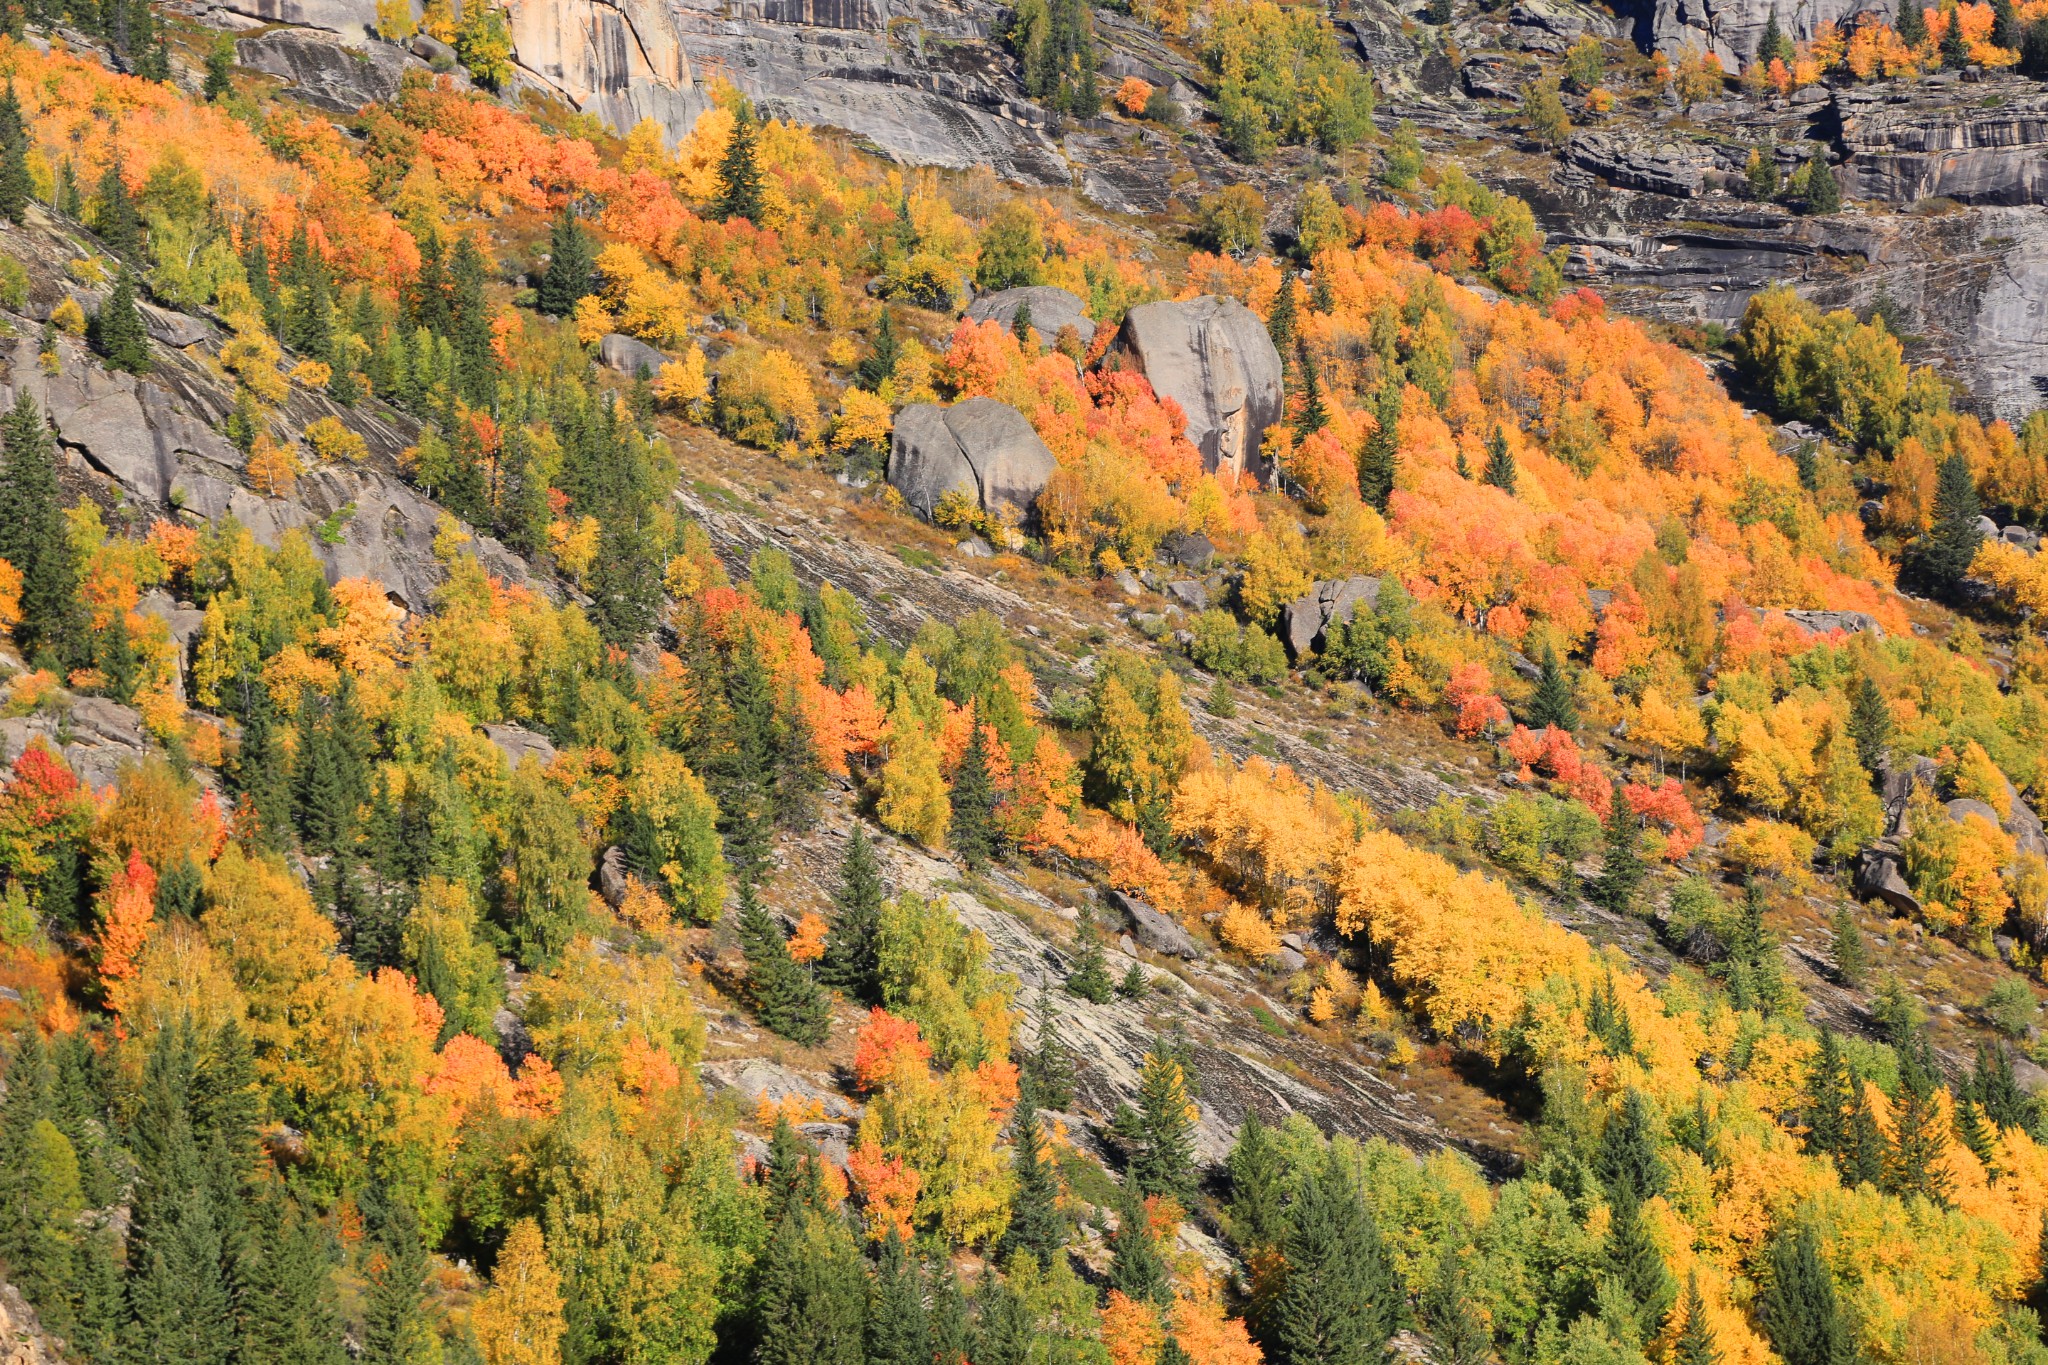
point(1621, 864)
point(810, 1304)
point(852, 961)
point(1911, 24)
point(783, 994)
point(1004, 1324)
point(220, 69)
point(1945, 552)
point(1627, 1161)
point(117, 330)
point(2034, 49)
point(1036, 1227)
point(1500, 468)
point(16, 187)
point(1135, 1266)
point(469, 327)
point(1695, 1344)
point(795, 1184)
point(898, 1332)
point(972, 830)
point(1257, 1212)
point(1281, 320)
point(1773, 35)
point(1454, 1334)
point(98, 1304)
point(952, 1333)
point(1870, 720)
point(1341, 1301)
point(1553, 702)
point(1314, 415)
point(1866, 1152)
point(1826, 1109)
point(739, 172)
point(118, 224)
point(1994, 1086)
point(1048, 1068)
point(2005, 25)
point(1163, 1157)
point(1380, 457)
point(1135, 983)
point(1851, 958)
point(1975, 1133)
point(1090, 977)
point(1633, 1261)
point(178, 1301)
point(1955, 49)
point(34, 539)
point(396, 1328)
point(572, 262)
point(880, 361)
point(1799, 1307)
point(1823, 191)
point(1918, 1140)
point(286, 1300)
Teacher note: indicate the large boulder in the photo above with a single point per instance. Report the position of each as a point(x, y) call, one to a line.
point(629, 355)
point(1052, 308)
point(981, 448)
point(321, 70)
point(1155, 929)
point(1331, 602)
point(1881, 876)
point(1212, 356)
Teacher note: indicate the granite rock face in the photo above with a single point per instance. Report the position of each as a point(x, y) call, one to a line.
point(324, 71)
point(1330, 602)
point(1984, 143)
point(1730, 29)
point(1051, 309)
point(628, 355)
point(1212, 356)
point(981, 448)
point(351, 18)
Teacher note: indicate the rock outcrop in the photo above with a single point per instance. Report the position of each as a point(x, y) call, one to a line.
point(96, 736)
point(323, 70)
point(629, 355)
point(1154, 928)
point(980, 448)
point(1331, 602)
point(1982, 143)
point(1212, 356)
point(1052, 308)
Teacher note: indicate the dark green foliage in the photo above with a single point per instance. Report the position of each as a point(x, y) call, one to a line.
point(1798, 1305)
point(781, 991)
point(972, 831)
point(1955, 50)
point(1090, 977)
point(1500, 472)
point(1997, 1090)
point(1627, 1161)
point(34, 540)
point(2034, 49)
point(220, 68)
point(1280, 321)
point(1916, 1167)
point(1823, 191)
point(897, 1329)
point(1607, 1020)
point(1866, 1152)
point(1379, 458)
point(1695, 1344)
point(15, 184)
point(1055, 43)
point(1135, 1266)
point(1003, 1325)
point(572, 264)
point(1773, 43)
point(1257, 1210)
point(880, 361)
point(852, 948)
point(1036, 1227)
point(1135, 983)
point(1553, 702)
point(1313, 415)
point(396, 1328)
point(1850, 957)
point(469, 327)
point(1633, 1261)
point(810, 1307)
point(285, 1298)
point(1944, 553)
point(1911, 24)
point(952, 1335)
point(1341, 1301)
point(178, 1296)
point(118, 224)
point(117, 332)
point(1454, 1334)
point(1621, 862)
point(795, 1183)
point(739, 172)
point(1162, 1142)
point(1826, 1108)
point(1048, 1068)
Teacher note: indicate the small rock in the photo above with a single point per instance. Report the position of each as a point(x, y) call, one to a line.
point(1128, 944)
point(1127, 583)
point(1189, 593)
point(1287, 960)
point(1155, 929)
point(1190, 550)
point(974, 547)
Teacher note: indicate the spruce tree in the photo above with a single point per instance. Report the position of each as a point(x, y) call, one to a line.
point(880, 361)
point(118, 224)
point(1870, 722)
point(396, 1328)
point(795, 1184)
point(1851, 959)
point(33, 538)
point(852, 961)
point(810, 1301)
point(1134, 983)
point(1380, 457)
point(469, 327)
point(1280, 321)
point(1090, 977)
point(16, 187)
point(1621, 863)
point(1257, 1214)
point(1866, 1152)
point(572, 263)
point(220, 69)
point(739, 172)
point(117, 330)
point(1955, 49)
point(1500, 465)
point(1975, 1133)
point(1553, 702)
point(1036, 1227)
point(2005, 25)
point(1945, 552)
point(952, 1335)
point(1826, 1108)
point(1695, 1344)
point(1314, 414)
point(1627, 1161)
point(1004, 1324)
point(782, 992)
point(1823, 191)
point(1632, 1260)
point(1799, 1307)
point(972, 830)
point(1048, 1068)
point(286, 1299)
point(1917, 1167)
point(1773, 35)
point(178, 1298)
point(1911, 24)
point(1453, 1332)
point(1163, 1158)
point(898, 1332)
point(1341, 1302)
point(1994, 1086)
point(1135, 1266)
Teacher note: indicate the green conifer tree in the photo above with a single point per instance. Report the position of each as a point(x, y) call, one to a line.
point(34, 539)
point(1911, 24)
point(852, 961)
point(1851, 959)
point(1135, 1265)
point(1799, 1306)
point(1870, 722)
point(396, 1328)
point(1945, 552)
point(1826, 1109)
point(880, 361)
point(1135, 982)
point(1823, 191)
point(1916, 1167)
point(1314, 414)
point(1627, 1161)
point(739, 172)
point(972, 830)
point(220, 69)
point(810, 1304)
point(898, 1331)
point(1695, 1344)
point(1500, 463)
point(1341, 1302)
point(118, 224)
point(1454, 1333)
point(1553, 702)
point(1048, 1068)
point(117, 331)
point(1955, 49)
point(1621, 863)
point(16, 186)
point(1632, 1260)
point(1379, 458)
point(1257, 1212)
point(1866, 1152)
point(1090, 977)
point(1036, 1227)
point(285, 1299)
point(782, 992)
point(572, 265)
point(1281, 320)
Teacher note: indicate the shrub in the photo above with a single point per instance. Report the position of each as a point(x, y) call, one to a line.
point(764, 398)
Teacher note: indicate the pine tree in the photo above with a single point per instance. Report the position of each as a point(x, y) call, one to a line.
point(810, 1307)
point(118, 224)
point(795, 1183)
point(1379, 458)
point(880, 361)
point(1553, 702)
point(898, 1332)
point(1955, 49)
point(1762, 173)
point(1090, 977)
point(117, 330)
point(1314, 414)
point(396, 1328)
point(783, 994)
point(285, 1297)
point(1341, 1301)
point(1866, 1152)
point(1134, 983)
point(1870, 721)
point(852, 961)
point(1048, 1069)
point(972, 830)
point(2005, 25)
point(1500, 467)
point(34, 539)
point(1997, 1089)
point(952, 1332)
point(1627, 1161)
point(178, 1302)
point(16, 186)
point(739, 173)
point(1163, 1160)
point(1767, 46)
point(1258, 1214)
point(1621, 863)
point(1036, 1227)
point(572, 262)
point(469, 327)
point(1800, 1310)
point(220, 69)
point(1453, 1331)
point(1823, 191)
point(1917, 1167)
point(1632, 1259)
point(1945, 552)
point(1135, 1266)
point(1826, 1108)
point(1004, 1324)
point(1911, 23)
point(1281, 322)
point(1695, 1344)
point(1851, 959)
point(1975, 1133)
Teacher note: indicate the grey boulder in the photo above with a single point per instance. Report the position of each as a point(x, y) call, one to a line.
point(1881, 876)
point(1331, 602)
point(980, 448)
point(1052, 308)
point(1828, 622)
point(320, 70)
point(1212, 356)
point(628, 355)
point(1154, 929)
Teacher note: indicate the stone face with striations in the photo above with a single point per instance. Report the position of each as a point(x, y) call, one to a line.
point(1051, 309)
point(980, 448)
point(1212, 356)
point(1986, 143)
point(322, 70)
